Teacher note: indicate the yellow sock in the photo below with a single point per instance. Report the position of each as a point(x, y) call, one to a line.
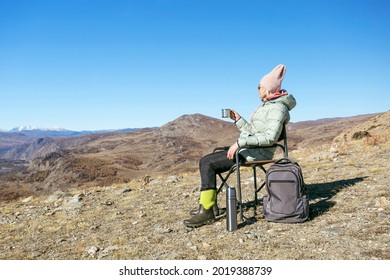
point(207, 198)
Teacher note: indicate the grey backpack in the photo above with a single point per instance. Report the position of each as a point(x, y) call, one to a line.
point(286, 201)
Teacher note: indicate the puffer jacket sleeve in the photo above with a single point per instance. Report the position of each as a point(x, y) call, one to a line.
point(263, 132)
point(243, 125)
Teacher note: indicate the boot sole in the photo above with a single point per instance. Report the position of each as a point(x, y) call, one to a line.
point(208, 222)
point(221, 213)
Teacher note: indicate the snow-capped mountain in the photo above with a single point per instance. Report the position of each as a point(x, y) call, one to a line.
point(37, 131)
point(56, 131)
point(33, 127)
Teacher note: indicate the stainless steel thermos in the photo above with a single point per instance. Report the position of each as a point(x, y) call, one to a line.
point(231, 209)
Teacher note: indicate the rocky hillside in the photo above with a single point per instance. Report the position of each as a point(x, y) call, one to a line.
point(107, 158)
point(8, 141)
point(319, 132)
point(348, 187)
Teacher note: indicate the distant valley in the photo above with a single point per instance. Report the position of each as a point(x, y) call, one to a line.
point(37, 161)
point(27, 134)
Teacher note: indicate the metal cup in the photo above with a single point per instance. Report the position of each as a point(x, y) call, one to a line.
point(225, 113)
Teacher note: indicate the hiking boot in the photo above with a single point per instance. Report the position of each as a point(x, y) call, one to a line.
point(216, 211)
point(202, 217)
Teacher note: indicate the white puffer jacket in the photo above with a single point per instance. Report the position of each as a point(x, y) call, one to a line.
point(265, 127)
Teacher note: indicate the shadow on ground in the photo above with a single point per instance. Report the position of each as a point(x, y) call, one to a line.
point(323, 192)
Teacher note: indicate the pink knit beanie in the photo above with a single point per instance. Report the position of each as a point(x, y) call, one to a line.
point(273, 80)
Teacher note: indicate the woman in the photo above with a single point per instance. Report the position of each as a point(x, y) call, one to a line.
point(264, 129)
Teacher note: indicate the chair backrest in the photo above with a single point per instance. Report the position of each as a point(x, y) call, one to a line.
point(283, 137)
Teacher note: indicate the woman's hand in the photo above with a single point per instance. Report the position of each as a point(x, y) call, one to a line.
point(234, 115)
point(232, 151)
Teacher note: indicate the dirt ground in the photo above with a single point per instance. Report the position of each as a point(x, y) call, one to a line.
point(348, 187)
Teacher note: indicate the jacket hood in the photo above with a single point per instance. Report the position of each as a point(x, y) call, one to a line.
point(287, 100)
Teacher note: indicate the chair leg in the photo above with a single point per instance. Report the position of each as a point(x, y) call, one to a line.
point(258, 189)
point(255, 188)
point(239, 197)
point(255, 184)
point(224, 180)
point(263, 184)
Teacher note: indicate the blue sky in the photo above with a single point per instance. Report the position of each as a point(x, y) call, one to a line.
point(112, 64)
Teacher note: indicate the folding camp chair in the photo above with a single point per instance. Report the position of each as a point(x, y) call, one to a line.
point(253, 164)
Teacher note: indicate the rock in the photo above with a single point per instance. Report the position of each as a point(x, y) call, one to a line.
point(52, 198)
point(383, 216)
point(155, 182)
point(76, 198)
point(28, 199)
point(127, 190)
point(164, 230)
point(92, 250)
point(52, 212)
point(195, 248)
point(360, 135)
point(73, 204)
point(251, 236)
point(107, 251)
point(384, 202)
point(172, 180)
point(192, 247)
point(146, 180)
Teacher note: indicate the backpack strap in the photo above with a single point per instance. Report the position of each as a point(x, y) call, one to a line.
point(285, 160)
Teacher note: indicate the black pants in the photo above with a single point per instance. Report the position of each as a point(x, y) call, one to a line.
point(212, 164)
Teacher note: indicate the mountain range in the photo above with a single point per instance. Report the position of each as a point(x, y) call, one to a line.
point(31, 163)
point(32, 127)
point(26, 134)
point(56, 131)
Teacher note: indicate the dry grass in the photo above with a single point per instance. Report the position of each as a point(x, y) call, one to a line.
point(348, 186)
